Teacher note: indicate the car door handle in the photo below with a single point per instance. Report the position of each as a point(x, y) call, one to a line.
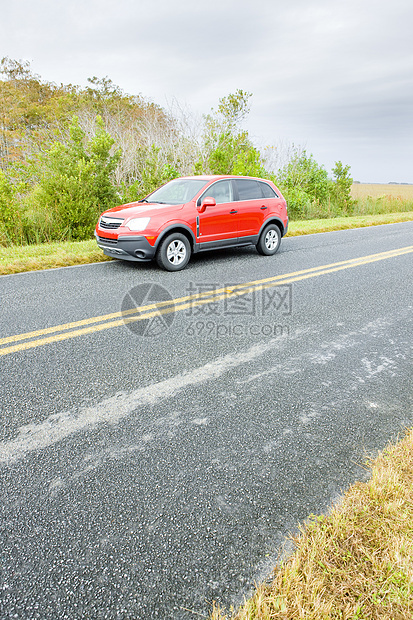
point(233, 211)
point(263, 207)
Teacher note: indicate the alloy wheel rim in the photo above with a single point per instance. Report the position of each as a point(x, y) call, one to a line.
point(176, 252)
point(271, 240)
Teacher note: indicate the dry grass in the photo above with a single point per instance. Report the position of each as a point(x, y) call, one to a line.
point(378, 190)
point(354, 563)
point(374, 199)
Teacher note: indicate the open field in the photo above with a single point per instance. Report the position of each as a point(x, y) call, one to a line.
point(378, 190)
point(374, 199)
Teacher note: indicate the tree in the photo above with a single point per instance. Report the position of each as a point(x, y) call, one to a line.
point(227, 149)
point(342, 187)
point(234, 108)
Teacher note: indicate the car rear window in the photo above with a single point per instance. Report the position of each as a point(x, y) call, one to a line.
point(267, 191)
point(248, 189)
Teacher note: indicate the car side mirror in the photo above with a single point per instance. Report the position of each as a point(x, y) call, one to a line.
point(208, 201)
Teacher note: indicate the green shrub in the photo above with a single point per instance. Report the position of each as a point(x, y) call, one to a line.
point(10, 221)
point(155, 169)
point(299, 203)
point(303, 173)
point(310, 193)
point(75, 186)
point(341, 188)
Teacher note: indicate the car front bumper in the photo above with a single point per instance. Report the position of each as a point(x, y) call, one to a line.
point(127, 248)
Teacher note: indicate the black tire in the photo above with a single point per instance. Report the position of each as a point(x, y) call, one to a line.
point(174, 252)
point(269, 240)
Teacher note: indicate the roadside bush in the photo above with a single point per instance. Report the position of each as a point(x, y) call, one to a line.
point(75, 186)
point(10, 222)
point(309, 191)
point(369, 205)
point(303, 173)
point(298, 202)
point(341, 188)
point(231, 154)
point(155, 170)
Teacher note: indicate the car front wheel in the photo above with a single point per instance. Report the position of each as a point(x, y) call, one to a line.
point(174, 252)
point(269, 240)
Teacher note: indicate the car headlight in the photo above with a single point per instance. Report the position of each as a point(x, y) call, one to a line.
point(138, 223)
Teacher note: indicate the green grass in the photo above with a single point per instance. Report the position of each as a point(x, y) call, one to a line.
point(16, 259)
point(308, 227)
point(354, 563)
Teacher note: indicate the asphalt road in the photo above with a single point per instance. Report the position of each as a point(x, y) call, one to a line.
point(150, 467)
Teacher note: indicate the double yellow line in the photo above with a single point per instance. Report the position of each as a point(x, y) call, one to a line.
point(33, 339)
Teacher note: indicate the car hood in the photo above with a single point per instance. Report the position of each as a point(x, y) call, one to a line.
point(139, 209)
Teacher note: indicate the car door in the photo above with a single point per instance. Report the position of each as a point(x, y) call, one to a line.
point(218, 224)
point(251, 205)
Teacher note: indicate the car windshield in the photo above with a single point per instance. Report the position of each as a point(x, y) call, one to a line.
point(177, 191)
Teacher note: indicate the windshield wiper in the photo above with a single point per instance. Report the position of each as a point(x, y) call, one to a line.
point(155, 202)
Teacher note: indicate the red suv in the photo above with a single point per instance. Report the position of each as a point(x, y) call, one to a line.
point(192, 214)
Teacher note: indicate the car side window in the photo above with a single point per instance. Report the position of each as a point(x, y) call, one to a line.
point(221, 191)
point(267, 191)
point(248, 189)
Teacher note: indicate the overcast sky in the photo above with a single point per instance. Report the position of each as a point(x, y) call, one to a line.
point(334, 76)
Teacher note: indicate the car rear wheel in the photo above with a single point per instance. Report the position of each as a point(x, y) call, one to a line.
point(174, 252)
point(269, 240)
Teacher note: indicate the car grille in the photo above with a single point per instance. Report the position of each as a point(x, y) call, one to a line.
point(110, 223)
point(110, 241)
